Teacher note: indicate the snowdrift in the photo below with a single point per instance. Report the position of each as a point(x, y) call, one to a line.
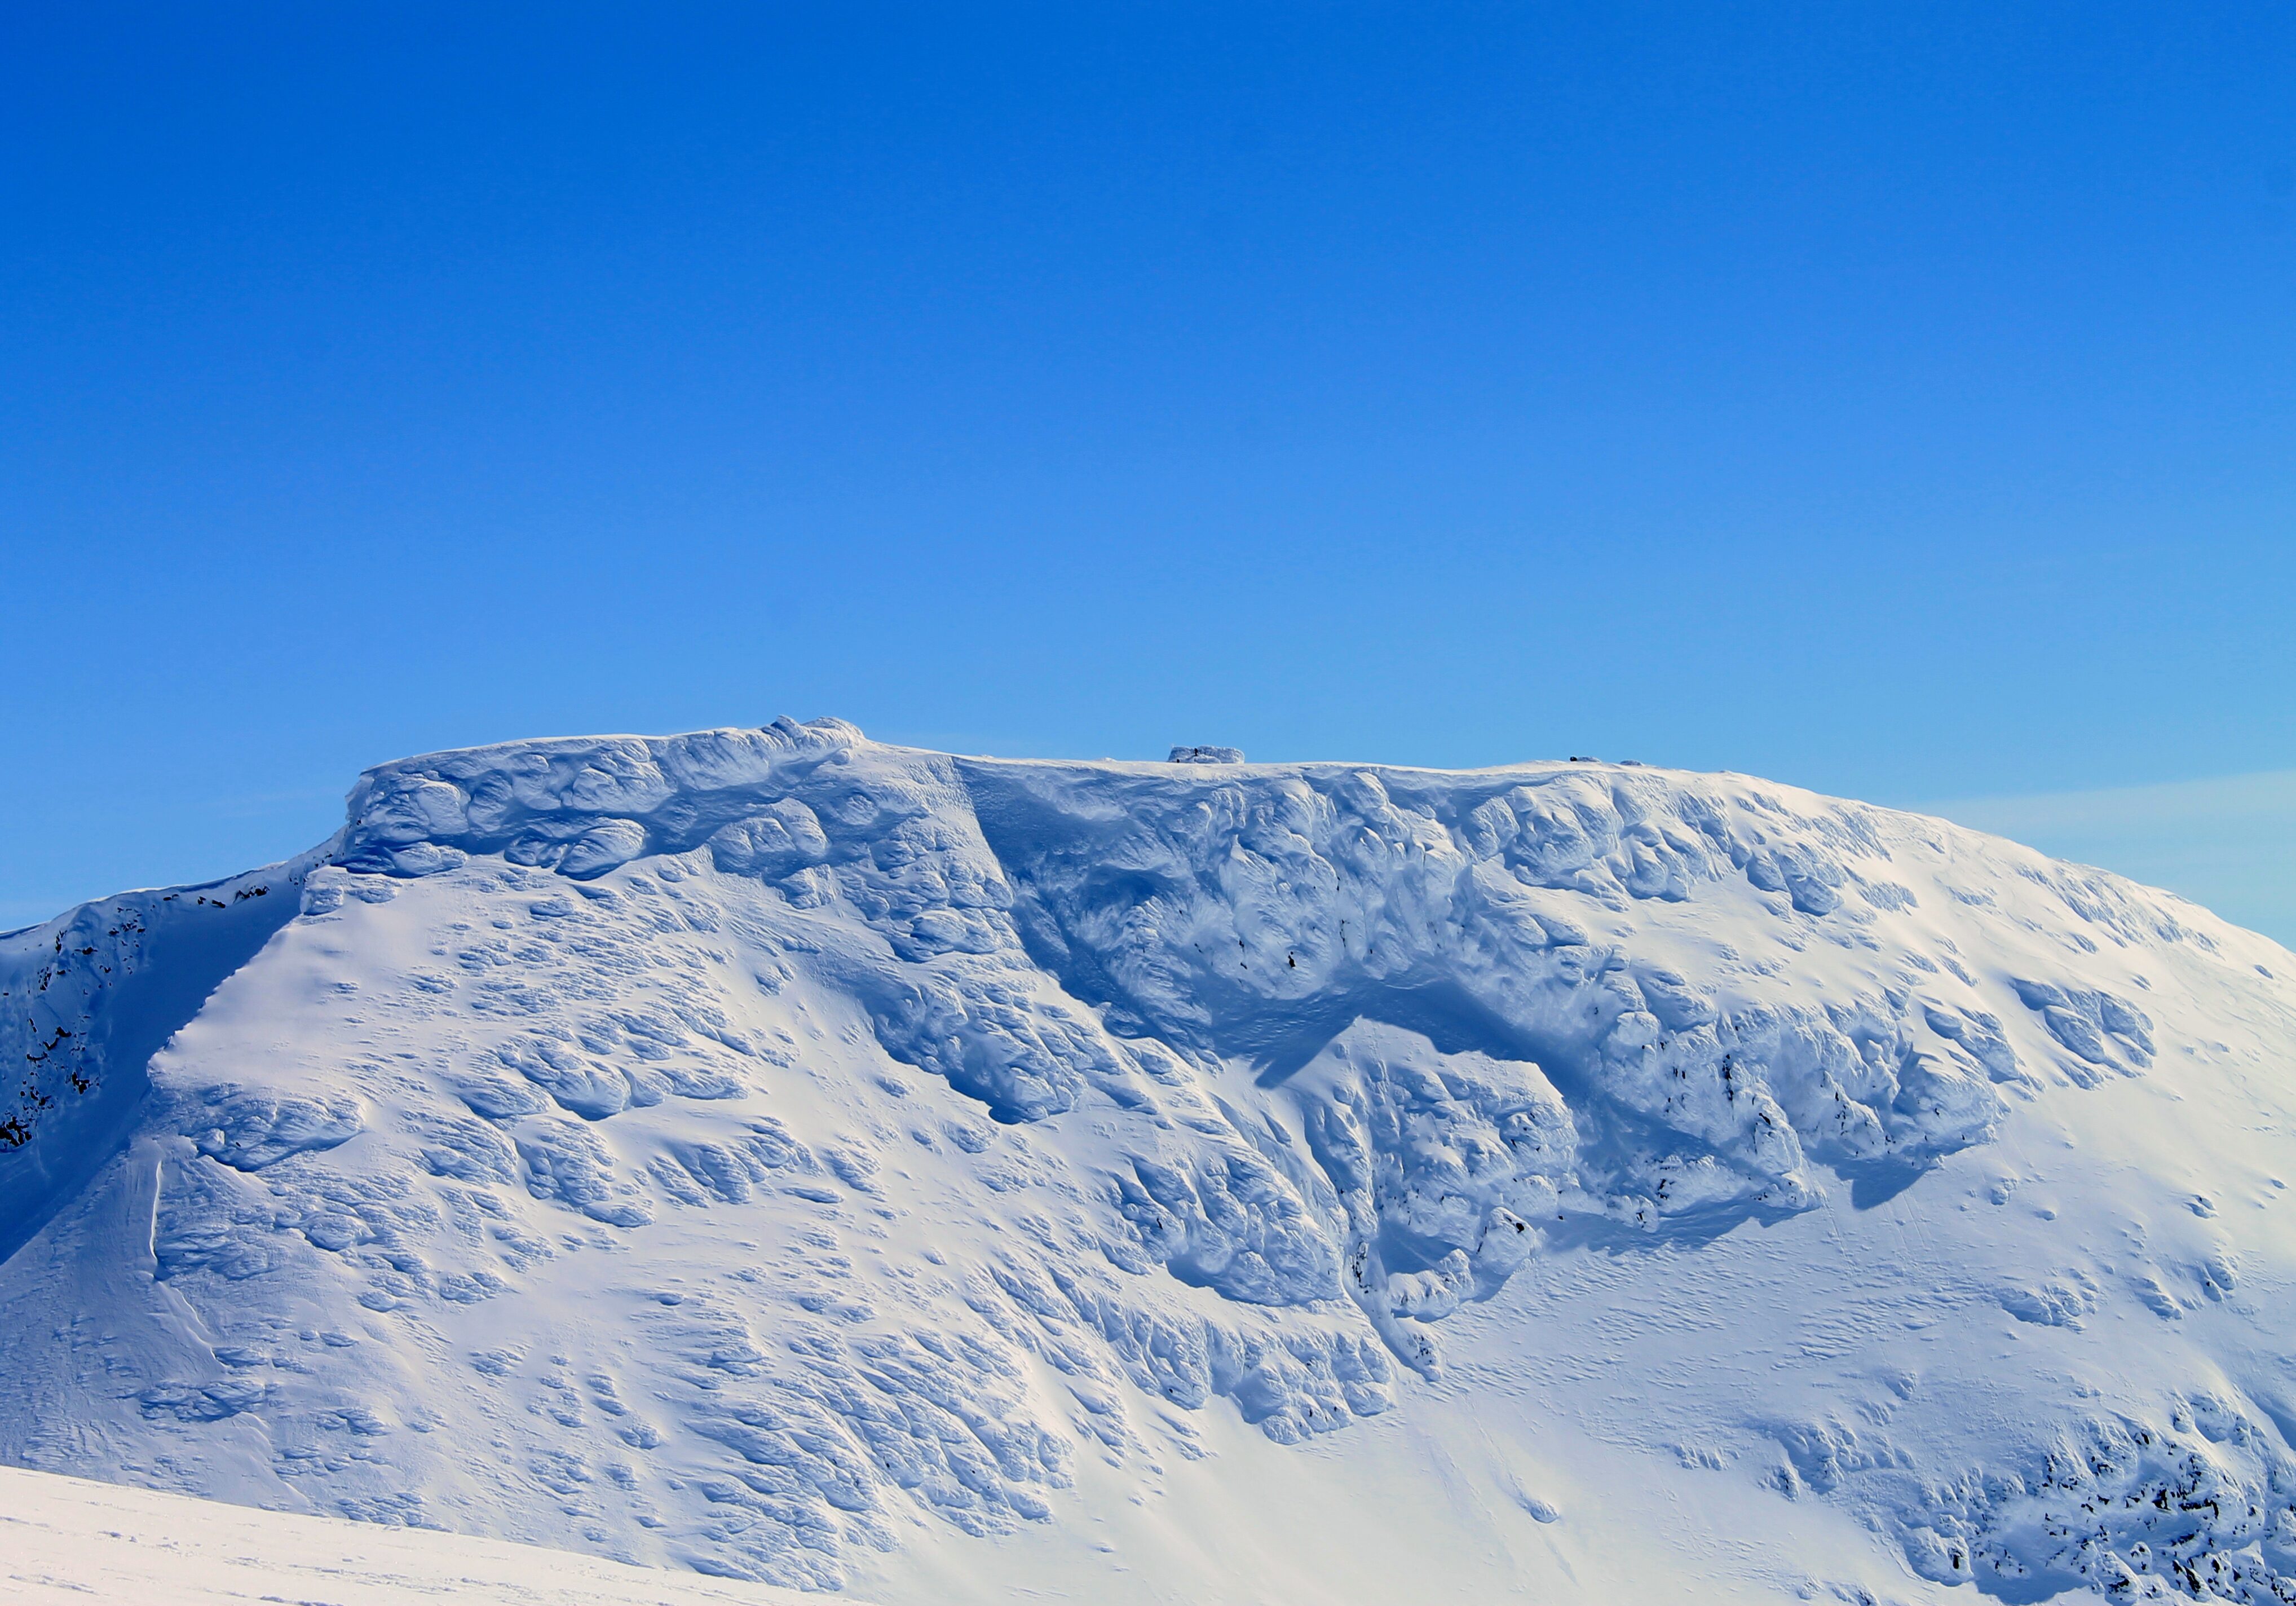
point(66, 1542)
point(850, 1166)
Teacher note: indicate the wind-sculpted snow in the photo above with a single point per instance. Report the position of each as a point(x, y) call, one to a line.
point(777, 1154)
point(1229, 919)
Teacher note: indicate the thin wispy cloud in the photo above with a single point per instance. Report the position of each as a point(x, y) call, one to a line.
point(2228, 844)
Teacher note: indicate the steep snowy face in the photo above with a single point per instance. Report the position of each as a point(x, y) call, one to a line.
point(800, 1158)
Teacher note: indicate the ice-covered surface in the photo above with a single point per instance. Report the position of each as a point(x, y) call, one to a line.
point(852, 1167)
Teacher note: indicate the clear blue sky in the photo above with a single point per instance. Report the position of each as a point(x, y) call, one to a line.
point(1898, 400)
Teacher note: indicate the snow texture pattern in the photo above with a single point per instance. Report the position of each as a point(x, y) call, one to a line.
point(733, 1150)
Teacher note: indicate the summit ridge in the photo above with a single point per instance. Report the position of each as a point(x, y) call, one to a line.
point(854, 1167)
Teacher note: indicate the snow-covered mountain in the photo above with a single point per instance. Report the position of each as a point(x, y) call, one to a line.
point(852, 1167)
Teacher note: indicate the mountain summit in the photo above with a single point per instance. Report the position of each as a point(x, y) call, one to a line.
point(853, 1167)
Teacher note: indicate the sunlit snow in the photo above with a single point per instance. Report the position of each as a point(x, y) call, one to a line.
point(848, 1167)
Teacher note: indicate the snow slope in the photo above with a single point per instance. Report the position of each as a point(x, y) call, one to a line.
point(852, 1167)
point(65, 1541)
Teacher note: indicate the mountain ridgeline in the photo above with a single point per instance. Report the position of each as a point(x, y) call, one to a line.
point(847, 1166)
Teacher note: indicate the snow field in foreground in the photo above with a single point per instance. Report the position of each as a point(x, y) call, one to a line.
point(66, 1540)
